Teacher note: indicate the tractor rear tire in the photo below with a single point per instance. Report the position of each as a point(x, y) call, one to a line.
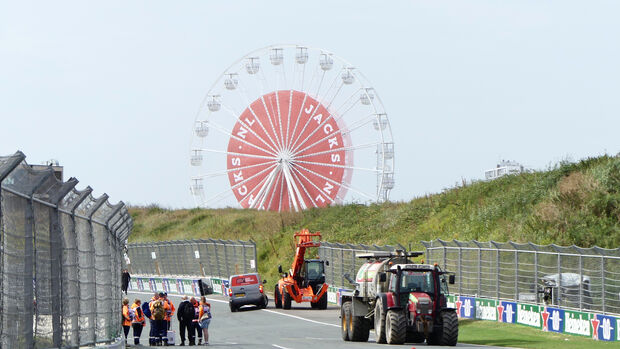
point(448, 331)
point(277, 297)
point(345, 320)
point(379, 322)
point(395, 327)
point(322, 303)
point(360, 328)
point(286, 300)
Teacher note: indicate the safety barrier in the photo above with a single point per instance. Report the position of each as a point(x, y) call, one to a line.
point(569, 290)
point(60, 260)
point(206, 257)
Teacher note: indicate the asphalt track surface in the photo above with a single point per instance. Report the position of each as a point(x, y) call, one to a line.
point(298, 328)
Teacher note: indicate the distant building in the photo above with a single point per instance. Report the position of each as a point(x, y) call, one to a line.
point(55, 166)
point(504, 168)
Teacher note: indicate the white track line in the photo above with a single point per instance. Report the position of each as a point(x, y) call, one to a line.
point(277, 346)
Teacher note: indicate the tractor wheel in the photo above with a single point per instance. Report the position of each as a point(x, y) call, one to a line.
point(379, 321)
point(446, 332)
point(395, 327)
point(286, 300)
point(345, 320)
point(322, 303)
point(313, 305)
point(277, 297)
point(360, 328)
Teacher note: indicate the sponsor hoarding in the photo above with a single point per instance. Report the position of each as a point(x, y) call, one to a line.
point(465, 307)
point(552, 319)
point(578, 323)
point(507, 312)
point(529, 314)
point(486, 309)
point(607, 327)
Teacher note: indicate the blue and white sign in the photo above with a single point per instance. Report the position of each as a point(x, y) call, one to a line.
point(555, 321)
point(508, 313)
point(607, 328)
point(468, 307)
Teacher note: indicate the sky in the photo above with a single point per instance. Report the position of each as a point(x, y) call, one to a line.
point(111, 88)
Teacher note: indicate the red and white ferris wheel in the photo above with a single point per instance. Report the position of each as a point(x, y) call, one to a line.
point(290, 127)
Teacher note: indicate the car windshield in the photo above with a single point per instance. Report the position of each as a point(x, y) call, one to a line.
point(416, 281)
point(315, 270)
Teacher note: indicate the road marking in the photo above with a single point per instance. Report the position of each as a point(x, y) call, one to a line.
point(277, 346)
point(300, 318)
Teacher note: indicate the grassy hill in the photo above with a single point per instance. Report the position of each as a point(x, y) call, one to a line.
point(572, 203)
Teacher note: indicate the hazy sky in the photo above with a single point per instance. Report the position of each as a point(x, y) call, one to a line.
point(111, 88)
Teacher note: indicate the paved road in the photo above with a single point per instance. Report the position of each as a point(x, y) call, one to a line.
point(298, 328)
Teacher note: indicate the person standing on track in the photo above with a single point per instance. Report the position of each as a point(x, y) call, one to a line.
point(205, 318)
point(169, 311)
point(195, 321)
point(159, 309)
point(138, 322)
point(126, 318)
point(185, 315)
point(125, 277)
point(152, 333)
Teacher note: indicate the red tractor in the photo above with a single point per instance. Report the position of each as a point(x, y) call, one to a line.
point(401, 300)
point(305, 281)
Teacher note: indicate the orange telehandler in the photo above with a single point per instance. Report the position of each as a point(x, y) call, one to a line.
point(305, 281)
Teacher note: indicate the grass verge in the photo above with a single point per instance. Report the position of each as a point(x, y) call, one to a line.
point(518, 336)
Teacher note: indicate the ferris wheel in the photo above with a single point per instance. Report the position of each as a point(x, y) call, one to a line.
point(291, 127)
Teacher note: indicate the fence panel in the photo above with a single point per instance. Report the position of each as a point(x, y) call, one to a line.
point(342, 260)
point(44, 226)
point(211, 257)
point(585, 279)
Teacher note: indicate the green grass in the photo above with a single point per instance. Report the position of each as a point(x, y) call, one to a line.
point(571, 203)
point(502, 335)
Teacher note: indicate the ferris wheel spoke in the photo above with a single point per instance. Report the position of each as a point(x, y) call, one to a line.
point(288, 122)
point(293, 186)
point(306, 124)
point(344, 184)
point(318, 89)
point(275, 133)
point(247, 127)
point(315, 187)
point(335, 95)
point(273, 159)
point(222, 130)
point(301, 108)
point(281, 192)
point(279, 118)
point(273, 192)
point(275, 144)
point(250, 195)
point(304, 187)
point(335, 166)
point(355, 147)
point(265, 187)
point(356, 100)
point(227, 171)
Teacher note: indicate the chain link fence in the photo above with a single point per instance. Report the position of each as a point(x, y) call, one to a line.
point(205, 257)
point(342, 260)
point(60, 264)
point(570, 277)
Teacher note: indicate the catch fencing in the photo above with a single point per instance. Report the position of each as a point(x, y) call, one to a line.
point(205, 257)
point(586, 279)
point(342, 260)
point(61, 256)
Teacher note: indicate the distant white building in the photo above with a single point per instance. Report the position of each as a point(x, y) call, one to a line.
point(504, 168)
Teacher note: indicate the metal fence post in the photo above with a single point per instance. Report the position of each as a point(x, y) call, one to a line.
point(498, 272)
point(580, 282)
point(460, 270)
point(479, 271)
point(516, 274)
point(559, 279)
point(603, 284)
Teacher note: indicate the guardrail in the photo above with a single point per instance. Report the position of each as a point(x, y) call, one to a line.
point(61, 257)
point(206, 257)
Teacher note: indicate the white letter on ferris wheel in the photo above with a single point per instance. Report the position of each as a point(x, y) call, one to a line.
point(309, 109)
point(242, 190)
point(319, 198)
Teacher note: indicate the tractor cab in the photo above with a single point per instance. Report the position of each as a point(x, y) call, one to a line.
point(313, 273)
